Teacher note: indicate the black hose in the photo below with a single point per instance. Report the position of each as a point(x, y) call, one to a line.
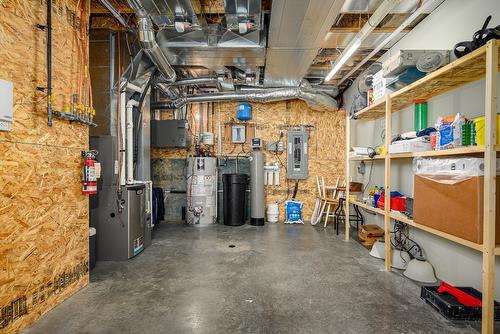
point(49, 62)
point(295, 189)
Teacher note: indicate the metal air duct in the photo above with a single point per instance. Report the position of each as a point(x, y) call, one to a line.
point(296, 31)
point(316, 100)
point(148, 43)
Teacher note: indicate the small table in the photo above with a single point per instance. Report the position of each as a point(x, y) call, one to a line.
point(339, 215)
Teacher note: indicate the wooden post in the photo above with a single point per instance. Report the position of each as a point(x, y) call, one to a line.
point(489, 188)
point(347, 174)
point(387, 185)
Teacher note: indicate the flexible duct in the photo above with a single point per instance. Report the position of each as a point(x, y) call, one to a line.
point(148, 42)
point(172, 89)
point(195, 81)
point(316, 100)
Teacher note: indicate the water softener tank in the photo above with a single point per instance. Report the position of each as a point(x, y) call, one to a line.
point(257, 188)
point(244, 112)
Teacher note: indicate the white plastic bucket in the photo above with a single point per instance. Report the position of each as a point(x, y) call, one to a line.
point(272, 212)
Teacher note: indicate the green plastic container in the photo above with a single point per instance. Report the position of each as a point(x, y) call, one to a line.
point(420, 116)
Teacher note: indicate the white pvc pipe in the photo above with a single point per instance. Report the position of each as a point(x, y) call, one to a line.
point(130, 140)
point(134, 88)
point(122, 137)
point(389, 38)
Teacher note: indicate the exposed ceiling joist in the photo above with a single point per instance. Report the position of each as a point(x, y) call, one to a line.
point(340, 30)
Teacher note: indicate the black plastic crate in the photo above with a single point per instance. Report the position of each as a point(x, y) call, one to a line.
point(450, 308)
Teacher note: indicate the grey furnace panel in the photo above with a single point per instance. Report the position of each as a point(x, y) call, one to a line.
point(170, 133)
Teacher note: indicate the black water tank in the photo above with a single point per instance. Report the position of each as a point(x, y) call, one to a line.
point(235, 188)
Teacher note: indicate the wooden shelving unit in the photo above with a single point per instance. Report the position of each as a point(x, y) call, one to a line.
point(359, 158)
point(482, 63)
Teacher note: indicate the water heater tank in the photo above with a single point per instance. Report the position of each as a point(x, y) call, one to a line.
point(244, 112)
point(201, 190)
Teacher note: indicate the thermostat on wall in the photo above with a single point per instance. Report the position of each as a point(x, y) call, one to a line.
point(6, 104)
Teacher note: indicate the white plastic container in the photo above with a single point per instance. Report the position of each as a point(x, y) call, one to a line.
point(272, 212)
point(269, 176)
point(208, 138)
point(276, 175)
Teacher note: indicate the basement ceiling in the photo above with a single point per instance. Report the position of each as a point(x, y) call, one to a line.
point(264, 53)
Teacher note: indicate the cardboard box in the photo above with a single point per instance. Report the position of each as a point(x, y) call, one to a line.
point(455, 208)
point(369, 233)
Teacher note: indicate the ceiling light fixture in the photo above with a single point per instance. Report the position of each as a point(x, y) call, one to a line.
point(353, 46)
point(380, 13)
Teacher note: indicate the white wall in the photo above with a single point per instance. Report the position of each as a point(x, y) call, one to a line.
point(452, 22)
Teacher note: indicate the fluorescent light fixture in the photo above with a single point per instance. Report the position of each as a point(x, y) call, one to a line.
point(344, 57)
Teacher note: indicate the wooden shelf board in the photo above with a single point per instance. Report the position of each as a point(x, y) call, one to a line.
point(375, 111)
point(462, 71)
point(452, 151)
point(367, 207)
point(406, 220)
point(359, 158)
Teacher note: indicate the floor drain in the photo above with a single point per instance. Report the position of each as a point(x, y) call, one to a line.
point(232, 246)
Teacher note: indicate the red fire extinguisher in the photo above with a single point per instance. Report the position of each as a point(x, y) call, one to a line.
point(89, 180)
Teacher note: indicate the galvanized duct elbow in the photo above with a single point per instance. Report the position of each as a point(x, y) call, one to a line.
point(315, 100)
point(148, 42)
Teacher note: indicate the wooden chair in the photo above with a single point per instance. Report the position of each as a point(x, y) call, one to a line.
point(333, 201)
point(326, 201)
point(318, 204)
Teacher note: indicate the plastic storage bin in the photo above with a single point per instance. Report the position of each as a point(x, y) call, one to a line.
point(450, 308)
point(480, 128)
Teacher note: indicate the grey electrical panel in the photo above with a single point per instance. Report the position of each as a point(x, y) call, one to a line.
point(170, 133)
point(6, 104)
point(297, 155)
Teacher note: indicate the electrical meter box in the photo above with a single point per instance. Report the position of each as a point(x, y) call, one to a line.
point(297, 155)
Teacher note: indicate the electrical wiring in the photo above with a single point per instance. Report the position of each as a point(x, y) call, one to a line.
point(371, 169)
point(402, 240)
point(276, 154)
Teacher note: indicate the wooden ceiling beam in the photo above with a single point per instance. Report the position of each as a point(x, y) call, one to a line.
point(121, 5)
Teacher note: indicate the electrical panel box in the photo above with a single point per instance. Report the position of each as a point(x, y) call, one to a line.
point(238, 134)
point(170, 133)
point(297, 155)
point(6, 104)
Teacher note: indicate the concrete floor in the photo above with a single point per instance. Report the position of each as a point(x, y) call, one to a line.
point(277, 279)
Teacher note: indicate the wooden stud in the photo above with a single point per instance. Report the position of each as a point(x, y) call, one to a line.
point(489, 189)
point(347, 174)
point(387, 185)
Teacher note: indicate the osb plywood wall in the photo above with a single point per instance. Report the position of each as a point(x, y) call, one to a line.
point(326, 143)
point(43, 215)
